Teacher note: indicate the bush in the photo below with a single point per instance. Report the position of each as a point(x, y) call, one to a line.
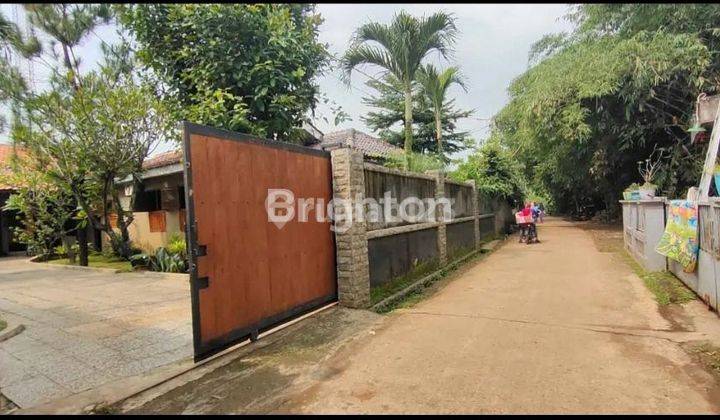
point(162, 260)
point(176, 244)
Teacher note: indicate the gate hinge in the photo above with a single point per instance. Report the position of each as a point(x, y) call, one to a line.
point(203, 282)
point(201, 251)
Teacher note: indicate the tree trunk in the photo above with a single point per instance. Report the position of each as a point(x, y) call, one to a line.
point(438, 136)
point(408, 125)
point(67, 243)
point(81, 235)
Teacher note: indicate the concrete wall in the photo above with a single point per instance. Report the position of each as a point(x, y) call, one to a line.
point(705, 280)
point(373, 253)
point(643, 224)
point(460, 238)
point(143, 238)
point(393, 256)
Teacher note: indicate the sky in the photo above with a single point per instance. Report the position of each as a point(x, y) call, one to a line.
point(491, 49)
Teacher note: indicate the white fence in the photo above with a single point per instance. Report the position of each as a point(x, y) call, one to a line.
point(643, 225)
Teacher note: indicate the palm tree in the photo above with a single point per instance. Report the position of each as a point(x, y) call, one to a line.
point(435, 86)
point(399, 48)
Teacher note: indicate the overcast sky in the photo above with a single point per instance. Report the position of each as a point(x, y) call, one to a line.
point(492, 49)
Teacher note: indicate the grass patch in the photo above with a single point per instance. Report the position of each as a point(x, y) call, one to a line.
point(395, 285)
point(429, 287)
point(664, 285)
point(667, 288)
point(3, 324)
point(100, 261)
point(709, 356)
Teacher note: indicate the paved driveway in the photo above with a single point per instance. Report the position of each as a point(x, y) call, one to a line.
point(86, 328)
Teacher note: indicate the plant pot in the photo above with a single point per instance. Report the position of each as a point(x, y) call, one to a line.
point(717, 182)
point(635, 195)
point(646, 193)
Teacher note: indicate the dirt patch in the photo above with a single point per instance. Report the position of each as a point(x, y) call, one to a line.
point(667, 288)
point(259, 381)
point(707, 354)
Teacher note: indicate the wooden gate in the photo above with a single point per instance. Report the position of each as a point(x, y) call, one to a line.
point(247, 275)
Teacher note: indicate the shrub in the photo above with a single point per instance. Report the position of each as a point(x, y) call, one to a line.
point(176, 244)
point(161, 260)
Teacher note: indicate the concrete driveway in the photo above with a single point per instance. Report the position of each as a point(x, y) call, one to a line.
point(85, 328)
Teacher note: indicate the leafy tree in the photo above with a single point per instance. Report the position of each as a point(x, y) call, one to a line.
point(243, 67)
point(62, 26)
point(45, 210)
point(495, 171)
point(600, 98)
point(390, 112)
point(435, 86)
point(92, 137)
point(84, 130)
point(399, 48)
point(418, 162)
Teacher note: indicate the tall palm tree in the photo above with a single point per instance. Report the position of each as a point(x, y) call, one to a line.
point(435, 86)
point(399, 48)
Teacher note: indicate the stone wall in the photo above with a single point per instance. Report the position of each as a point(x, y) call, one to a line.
point(371, 253)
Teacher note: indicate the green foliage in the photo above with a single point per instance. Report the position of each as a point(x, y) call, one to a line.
point(45, 211)
point(389, 116)
point(176, 244)
point(495, 171)
point(162, 260)
point(399, 49)
point(243, 67)
point(418, 162)
point(435, 85)
point(604, 96)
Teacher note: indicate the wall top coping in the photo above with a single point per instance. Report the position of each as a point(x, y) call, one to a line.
point(460, 183)
point(712, 201)
point(656, 200)
point(378, 168)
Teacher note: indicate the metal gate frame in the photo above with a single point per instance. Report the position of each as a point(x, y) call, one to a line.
point(195, 250)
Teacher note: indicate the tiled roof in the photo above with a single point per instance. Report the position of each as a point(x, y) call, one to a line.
point(163, 159)
point(6, 152)
point(358, 140)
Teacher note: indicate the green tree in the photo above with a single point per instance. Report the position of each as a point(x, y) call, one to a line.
point(91, 137)
point(389, 113)
point(59, 25)
point(84, 130)
point(435, 86)
point(399, 48)
point(600, 98)
point(243, 67)
point(495, 171)
point(44, 209)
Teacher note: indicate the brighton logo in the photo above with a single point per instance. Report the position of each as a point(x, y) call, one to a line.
point(282, 207)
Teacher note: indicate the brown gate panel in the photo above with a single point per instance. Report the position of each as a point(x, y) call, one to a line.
point(247, 274)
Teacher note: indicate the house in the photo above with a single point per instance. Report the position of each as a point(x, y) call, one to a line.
point(8, 219)
point(373, 148)
point(159, 209)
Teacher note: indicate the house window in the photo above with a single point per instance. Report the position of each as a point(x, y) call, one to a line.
point(148, 201)
point(157, 221)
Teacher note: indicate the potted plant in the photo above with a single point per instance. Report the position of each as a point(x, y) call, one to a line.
point(648, 169)
point(631, 192)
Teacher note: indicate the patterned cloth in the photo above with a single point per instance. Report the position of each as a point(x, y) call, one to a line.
point(680, 240)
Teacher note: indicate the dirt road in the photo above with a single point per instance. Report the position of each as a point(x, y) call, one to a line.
point(558, 327)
